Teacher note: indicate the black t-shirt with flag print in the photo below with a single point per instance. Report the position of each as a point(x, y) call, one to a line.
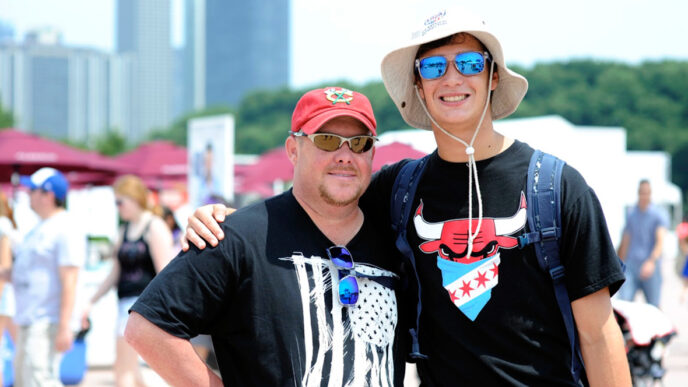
point(265, 296)
point(491, 317)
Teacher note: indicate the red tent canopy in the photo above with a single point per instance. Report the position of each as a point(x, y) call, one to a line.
point(161, 164)
point(271, 165)
point(25, 153)
point(393, 152)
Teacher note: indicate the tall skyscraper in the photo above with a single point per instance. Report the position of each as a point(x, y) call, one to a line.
point(58, 91)
point(143, 32)
point(233, 48)
point(6, 32)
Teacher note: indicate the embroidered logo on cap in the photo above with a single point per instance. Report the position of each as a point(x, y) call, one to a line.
point(339, 95)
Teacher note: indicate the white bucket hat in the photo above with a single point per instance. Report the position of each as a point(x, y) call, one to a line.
point(398, 65)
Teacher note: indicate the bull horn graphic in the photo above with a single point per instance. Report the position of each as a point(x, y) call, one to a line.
point(503, 226)
point(508, 226)
point(425, 230)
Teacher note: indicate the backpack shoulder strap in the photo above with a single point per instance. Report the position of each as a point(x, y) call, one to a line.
point(403, 192)
point(544, 222)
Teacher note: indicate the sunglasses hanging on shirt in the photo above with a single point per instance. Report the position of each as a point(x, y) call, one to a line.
point(348, 284)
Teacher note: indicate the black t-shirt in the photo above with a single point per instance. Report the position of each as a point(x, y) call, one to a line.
point(249, 293)
point(492, 319)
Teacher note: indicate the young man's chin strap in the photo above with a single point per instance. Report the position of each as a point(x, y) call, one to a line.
point(472, 169)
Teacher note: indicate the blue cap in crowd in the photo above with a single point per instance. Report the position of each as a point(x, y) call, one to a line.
point(47, 179)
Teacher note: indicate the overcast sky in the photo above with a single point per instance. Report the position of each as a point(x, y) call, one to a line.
point(333, 40)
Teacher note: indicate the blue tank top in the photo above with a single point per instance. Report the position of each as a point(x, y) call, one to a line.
point(136, 265)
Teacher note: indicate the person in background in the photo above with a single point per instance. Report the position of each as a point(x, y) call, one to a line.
point(143, 248)
point(641, 248)
point(171, 222)
point(682, 235)
point(8, 230)
point(44, 276)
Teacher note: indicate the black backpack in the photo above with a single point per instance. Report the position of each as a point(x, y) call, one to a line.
point(544, 222)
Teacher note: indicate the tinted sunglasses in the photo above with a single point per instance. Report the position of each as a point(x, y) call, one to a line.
point(348, 284)
point(467, 63)
point(331, 142)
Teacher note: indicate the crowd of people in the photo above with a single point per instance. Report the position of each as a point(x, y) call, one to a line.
point(309, 288)
point(40, 271)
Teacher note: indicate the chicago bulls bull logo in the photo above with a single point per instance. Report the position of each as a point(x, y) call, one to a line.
point(469, 274)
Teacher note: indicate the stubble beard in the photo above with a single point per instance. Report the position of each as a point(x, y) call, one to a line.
point(325, 195)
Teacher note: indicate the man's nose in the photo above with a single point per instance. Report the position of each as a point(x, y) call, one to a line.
point(344, 154)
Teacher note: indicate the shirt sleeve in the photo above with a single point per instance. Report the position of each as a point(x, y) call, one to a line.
point(663, 218)
point(71, 247)
point(587, 251)
point(186, 297)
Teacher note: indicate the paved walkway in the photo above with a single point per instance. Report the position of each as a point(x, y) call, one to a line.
point(676, 359)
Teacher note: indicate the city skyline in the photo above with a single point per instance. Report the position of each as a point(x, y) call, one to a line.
point(361, 31)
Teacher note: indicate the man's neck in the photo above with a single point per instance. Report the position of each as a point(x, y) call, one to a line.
point(338, 223)
point(488, 143)
point(49, 213)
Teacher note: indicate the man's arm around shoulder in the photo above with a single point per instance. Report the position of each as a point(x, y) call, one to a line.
point(173, 358)
point(601, 341)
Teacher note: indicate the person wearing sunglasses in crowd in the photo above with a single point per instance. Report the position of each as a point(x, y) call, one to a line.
point(144, 246)
point(488, 313)
point(302, 292)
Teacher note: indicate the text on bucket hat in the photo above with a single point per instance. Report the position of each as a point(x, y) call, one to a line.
point(398, 65)
point(47, 179)
point(318, 106)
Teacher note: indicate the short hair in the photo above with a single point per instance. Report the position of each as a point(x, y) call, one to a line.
point(62, 203)
point(132, 187)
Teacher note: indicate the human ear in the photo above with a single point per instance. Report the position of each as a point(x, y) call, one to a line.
point(495, 80)
point(291, 148)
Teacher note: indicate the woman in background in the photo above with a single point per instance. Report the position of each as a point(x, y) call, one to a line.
point(143, 248)
point(168, 217)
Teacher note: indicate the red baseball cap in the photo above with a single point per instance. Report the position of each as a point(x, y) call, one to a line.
point(318, 106)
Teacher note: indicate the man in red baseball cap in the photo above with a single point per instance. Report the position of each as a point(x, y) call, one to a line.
point(302, 290)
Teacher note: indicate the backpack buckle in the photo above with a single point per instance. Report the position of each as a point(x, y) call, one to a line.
point(549, 233)
point(557, 272)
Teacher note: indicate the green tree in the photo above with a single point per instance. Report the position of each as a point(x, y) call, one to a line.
point(177, 132)
point(6, 117)
point(111, 143)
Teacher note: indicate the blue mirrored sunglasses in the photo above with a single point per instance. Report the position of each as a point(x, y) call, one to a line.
point(467, 63)
point(348, 284)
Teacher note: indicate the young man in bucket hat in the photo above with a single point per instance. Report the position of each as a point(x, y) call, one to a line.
point(302, 292)
point(489, 314)
point(451, 78)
